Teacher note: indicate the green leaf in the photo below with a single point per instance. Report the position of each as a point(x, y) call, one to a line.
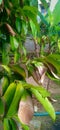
point(5, 84)
point(6, 124)
point(52, 78)
point(34, 3)
point(45, 102)
point(24, 27)
point(25, 127)
point(31, 9)
point(43, 19)
point(18, 24)
point(54, 60)
point(13, 124)
point(15, 102)
point(33, 28)
point(1, 107)
point(6, 68)
point(55, 56)
point(15, 2)
point(5, 53)
point(19, 70)
point(24, 50)
point(44, 3)
point(40, 89)
point(59, 44)
point(16, 56)
point(14, 43)
point(16, 118)
point(0, 2)
point(5, 57)
point(55, 13)
point(37, 63)
point(43, 91)
point(31, 12)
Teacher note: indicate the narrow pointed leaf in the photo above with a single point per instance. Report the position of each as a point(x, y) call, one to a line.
point(13, 124)
point(45, 102)
point(42, 18)
point(33, 28)
point(40, 89)
point(1, 107)
point(18, 25)
point(6, 68)
point(55, 56)
point(14, 43)
point(54, 62)
point(31, 12)
point(6, 124)
point(19, 70)
point(56, 15)
point(25, 127)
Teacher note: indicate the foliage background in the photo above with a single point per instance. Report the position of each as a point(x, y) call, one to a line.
point(18, 20)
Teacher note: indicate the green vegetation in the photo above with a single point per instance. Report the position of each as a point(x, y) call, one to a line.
point(18, 20)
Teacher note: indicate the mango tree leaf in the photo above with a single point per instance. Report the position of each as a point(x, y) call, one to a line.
point(43, 19)
point(55, 13)
point(33, 28)
point(13, 124)
point(25, 127)
point(24, 27)
point(5, 57)
point(56, 63)
point(31, 12)
point(31, 9)
point(51, 67)
point(5, 53)
point(52, 78)
point(19, 70)
point(6, 68)
point(1, 107)
point(6, 124)
point(40, 89)
point(24, 50)
point(45, 102)
point(59, 44)
point(16, 56)
point(52, 59)
point(18, 24)
point(14, 43)
point(43, 91)
point(55, 56)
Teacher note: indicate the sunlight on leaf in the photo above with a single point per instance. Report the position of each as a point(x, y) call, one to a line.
point(14, 43)
point(6, 68)
point(45, 102)
point(25, 127)
point(40, 89)
point(55, 12)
